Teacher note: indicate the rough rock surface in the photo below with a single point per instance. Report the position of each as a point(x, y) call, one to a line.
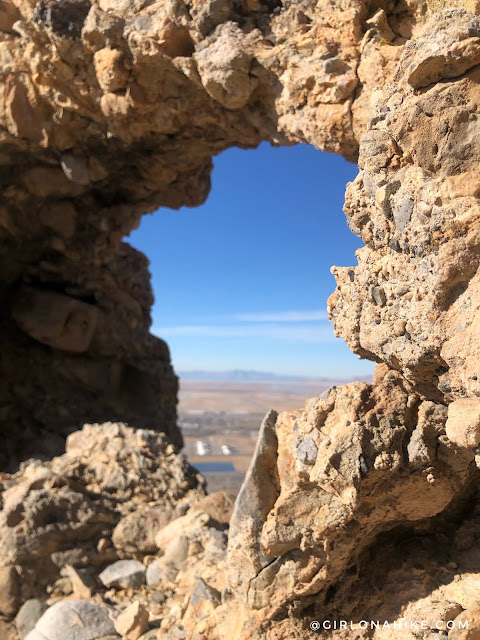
point(383, 463)
point(57, 518)
point(57, 524)
point(382, 524)
point(362, 505)
point(123, 574)
point(75, 619)
point(412, 301)
point(109, 110)
point(29, 614)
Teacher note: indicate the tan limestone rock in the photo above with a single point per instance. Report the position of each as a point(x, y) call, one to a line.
point(9, 591)
point(463, 422)
point(110, 69)
point(132, 622)
point(362, 504)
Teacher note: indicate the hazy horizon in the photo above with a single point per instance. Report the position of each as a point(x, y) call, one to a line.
point(254, 375)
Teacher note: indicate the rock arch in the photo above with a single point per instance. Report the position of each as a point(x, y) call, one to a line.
point(112, 108)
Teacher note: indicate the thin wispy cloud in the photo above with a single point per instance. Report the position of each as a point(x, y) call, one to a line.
point(282, 316)
point(266, 331)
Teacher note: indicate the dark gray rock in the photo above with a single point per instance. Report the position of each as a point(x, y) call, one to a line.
point(306, 451)
point(29, 614)
point(64, 17)
point(202, 592)
point(257, 496)
point(402, 213)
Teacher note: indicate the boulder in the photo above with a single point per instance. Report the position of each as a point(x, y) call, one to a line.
point(75, 620)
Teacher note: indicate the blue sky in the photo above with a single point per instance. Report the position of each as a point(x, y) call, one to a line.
point(242, 282)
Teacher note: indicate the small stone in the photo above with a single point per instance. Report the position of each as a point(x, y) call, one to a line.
point(218, 505)
point(82, 583)
point(100, 27)
point(195, 548)
point(399, 327)
point(176, 552)
point(158, 573)
point(362, 464)
point(325, 394)
point(307, 451)
point(132, 622)
point(75, 620)
point(202, 592)
point(333, 65)
point(224, 67)
point(154, 574)
point(183, 526)
point(136, 531)
point(379, 297)
point(110, 69)
point(61, 586)
point(9, 591)
point(203, 601)
point(158, 597)
point(123, 574)
point(103, 544)
point(75, 168)
point(30, 612)
point(402, 214)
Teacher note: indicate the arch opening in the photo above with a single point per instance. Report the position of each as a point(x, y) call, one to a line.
point(241, 287)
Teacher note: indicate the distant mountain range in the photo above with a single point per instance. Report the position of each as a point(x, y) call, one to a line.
point(241, 375)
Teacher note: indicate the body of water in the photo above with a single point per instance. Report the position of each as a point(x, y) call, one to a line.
point(214, 467)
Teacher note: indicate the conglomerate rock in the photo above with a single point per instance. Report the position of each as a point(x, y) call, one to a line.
point(362, 506)
point(413, 300)
point(358, 462)
point(109, 110)
point(356, 508)
point(66, 512)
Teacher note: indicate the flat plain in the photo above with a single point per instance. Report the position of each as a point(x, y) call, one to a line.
point(220, 421)
point(250, 397)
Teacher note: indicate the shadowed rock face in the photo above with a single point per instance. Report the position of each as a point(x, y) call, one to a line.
point(112, 109)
